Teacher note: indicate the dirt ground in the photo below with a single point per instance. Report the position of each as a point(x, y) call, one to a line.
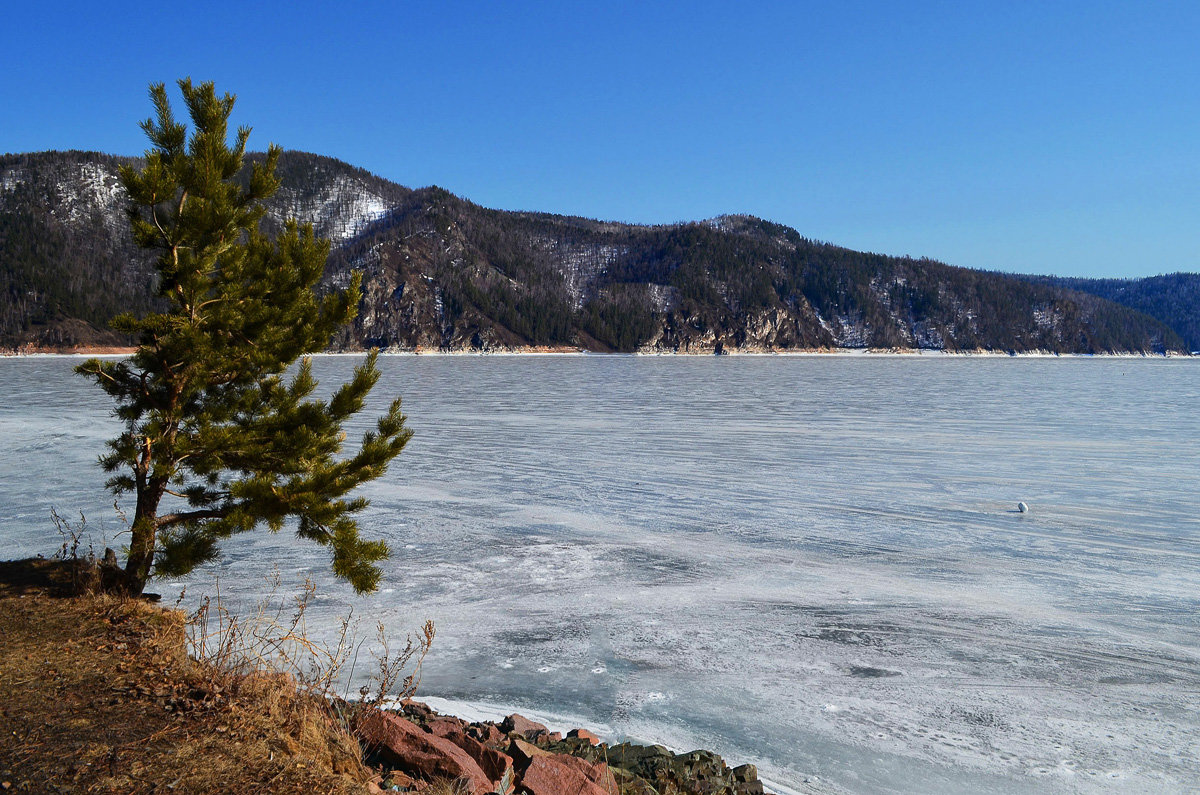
point(97, 694)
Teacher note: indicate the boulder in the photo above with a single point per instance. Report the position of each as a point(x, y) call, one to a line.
point(416, 709)
point(595, 772)
point(547, 773)
point(441, 724)
point(489, 734)
point(577, 746)
point(519, 724)
point(553, 774)
point(523, 753)
point(407, 747)
point(744, 773)
point(694, 772)
point(644, 760)
point(395, 781)
point(492, 762)
point(584, 734)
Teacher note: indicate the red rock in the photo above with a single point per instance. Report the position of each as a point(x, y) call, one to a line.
point(595, 772)
point(404, 745)
point(556, 774)
point(525, 755)
point(584, 734)
point(492, 762)
point(440, 723)
point(401, 780)
point(522, 752)
point(519, 724)
point(489, 734)
point(416, 708)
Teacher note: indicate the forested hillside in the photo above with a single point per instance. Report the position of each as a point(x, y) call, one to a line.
point(443, 273)
point(1173, 298)
point(65, 250)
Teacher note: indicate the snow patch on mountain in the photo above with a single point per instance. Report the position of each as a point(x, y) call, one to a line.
point(13, 178)
point(341, 209)
point(581, 265)
point(93, 188)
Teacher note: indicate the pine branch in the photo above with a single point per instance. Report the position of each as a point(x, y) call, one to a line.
point(188, 517)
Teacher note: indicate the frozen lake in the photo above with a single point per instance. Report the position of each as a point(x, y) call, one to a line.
point(813, 563)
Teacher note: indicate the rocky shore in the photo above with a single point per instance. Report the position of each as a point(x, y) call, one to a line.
point(415, 744)
point(99, 695)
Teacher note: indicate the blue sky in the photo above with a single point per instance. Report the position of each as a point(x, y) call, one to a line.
point(1035, 137)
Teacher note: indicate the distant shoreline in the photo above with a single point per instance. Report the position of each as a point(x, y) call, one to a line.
point(538, 351)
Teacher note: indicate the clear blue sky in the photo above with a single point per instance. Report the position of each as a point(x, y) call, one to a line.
point(1042, 137)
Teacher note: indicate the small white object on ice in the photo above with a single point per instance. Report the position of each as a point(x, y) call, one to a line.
point(1022, 507)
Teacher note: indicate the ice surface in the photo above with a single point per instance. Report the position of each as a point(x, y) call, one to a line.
point(815, 564)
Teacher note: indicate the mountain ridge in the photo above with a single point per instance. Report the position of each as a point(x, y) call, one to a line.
point(443, 273)
point(1173, 298)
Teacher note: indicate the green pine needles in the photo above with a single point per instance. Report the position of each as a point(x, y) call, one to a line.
point(212, 422)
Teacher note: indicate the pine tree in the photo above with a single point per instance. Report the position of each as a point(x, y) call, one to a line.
point(214, 424)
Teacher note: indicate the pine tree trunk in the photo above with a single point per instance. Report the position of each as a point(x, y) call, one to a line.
point(143, 536)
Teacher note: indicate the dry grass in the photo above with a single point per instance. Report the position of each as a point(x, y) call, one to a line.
point(448, 787)
point(274, 638)
point(99, 695)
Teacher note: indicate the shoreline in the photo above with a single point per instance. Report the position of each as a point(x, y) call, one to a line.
point(190, 719)
point(485, 711)
point(892, 353)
